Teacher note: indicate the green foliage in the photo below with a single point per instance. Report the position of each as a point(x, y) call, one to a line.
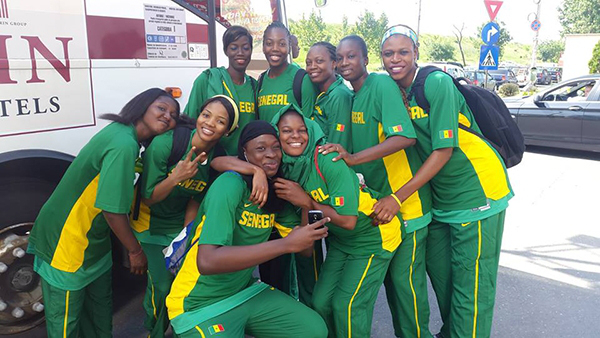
point(504, 39)
point(579, 16)
point(531, 91)
point(508, 89)
point(371, 30)
point(594, 63)
point(311, 30)
point(437, 48)
point(549, 51)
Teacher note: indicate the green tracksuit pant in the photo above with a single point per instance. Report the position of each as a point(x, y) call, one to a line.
point(80, 313)
point(406, 287)
point(270, 314)
point(346, 291)
point(466, 291)
point(308, 269)
point(157, 289)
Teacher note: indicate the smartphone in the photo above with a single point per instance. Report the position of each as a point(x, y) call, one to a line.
point(314, 216)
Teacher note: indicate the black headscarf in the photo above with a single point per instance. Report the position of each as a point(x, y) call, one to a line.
point(251, 131)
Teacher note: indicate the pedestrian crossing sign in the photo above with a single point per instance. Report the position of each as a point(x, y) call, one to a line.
point(488, 58)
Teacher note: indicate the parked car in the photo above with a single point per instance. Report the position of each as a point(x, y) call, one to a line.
point(566, 115)
point(555, 74)
point(522, 76)
point(543, 77)
point(478, 78)
point(453, 68)
point(502, 76)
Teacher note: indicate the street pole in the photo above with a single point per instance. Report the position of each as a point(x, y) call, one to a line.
point(419, 20)
point(537, 33)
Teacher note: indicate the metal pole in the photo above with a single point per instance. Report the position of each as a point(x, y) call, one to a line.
point(537, 34)
point(212, 34)
point(419, 20)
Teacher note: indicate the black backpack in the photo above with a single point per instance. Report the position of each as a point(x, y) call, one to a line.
point(489, 111)
point(181, 139)
point(296, 87)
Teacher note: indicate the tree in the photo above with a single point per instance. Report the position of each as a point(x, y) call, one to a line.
point(579, 16)
point(504, 38)
point(311, 30)
point(458, 33)
point(594, 63)
point(371, 29)
point(440, 50)
point(549, 51)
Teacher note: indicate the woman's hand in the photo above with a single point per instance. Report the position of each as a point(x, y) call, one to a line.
point(384, 210)
point(260, 188)
point(138, 264)
point(292, 192)
point(187, 168)
point(342, 153)
point(304, 237)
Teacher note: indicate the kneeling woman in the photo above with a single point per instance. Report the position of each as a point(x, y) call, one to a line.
point(359, 253)
point(214, 291)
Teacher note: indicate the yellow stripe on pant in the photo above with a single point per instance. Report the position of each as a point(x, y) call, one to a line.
point(412, 288)
point(354, 295)
point(66, 314)
point(477, 276)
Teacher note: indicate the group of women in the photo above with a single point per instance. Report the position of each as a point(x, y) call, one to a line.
point(405, 194)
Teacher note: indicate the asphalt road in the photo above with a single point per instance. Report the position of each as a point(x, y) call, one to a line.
point(549, 276)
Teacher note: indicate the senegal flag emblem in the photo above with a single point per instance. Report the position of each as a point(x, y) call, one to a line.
point(340, 127)
point(446, 134)
point(396, 129)
point(216, 329)
point(338, 201)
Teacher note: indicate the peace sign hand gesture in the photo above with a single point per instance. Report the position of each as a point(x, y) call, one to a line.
point(187, 168)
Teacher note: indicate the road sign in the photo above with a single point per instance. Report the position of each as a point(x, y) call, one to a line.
point(536, 25)
point(490, 33)
point(488, 57)
point(492, 8)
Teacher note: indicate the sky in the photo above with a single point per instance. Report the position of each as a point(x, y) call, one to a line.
point(439, 16)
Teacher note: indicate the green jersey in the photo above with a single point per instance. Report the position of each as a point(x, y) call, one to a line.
point(226, 218)
point(333, 113)
point(339, 188)
point(217, 81)
point(473, 184)
point(378, 113)
point(167, 216)
point(70, 232)
point(275, 93)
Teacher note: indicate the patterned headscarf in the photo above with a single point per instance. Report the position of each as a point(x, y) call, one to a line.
point(402, 30)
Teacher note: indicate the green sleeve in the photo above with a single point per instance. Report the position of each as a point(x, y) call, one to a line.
point(197, 96)
point(442, 95)
point(394, 117)
point(219, 209)
point(342, 185)
point(155, 162)
point(339, 112)
point(309, 96)
point(117, 173)
point(286, 220)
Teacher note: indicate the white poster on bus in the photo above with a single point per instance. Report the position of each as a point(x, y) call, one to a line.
point(45, 81)
point(166, 34)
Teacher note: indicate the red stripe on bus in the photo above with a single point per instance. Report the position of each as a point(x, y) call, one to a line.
point(123, 38)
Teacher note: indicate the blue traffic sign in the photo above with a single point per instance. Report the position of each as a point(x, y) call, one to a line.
point(490, 33)
point(488, 58)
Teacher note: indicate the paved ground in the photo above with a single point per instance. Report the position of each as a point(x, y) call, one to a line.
point(549, 278)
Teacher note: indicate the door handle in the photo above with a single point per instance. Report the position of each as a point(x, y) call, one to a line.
point(575, 108)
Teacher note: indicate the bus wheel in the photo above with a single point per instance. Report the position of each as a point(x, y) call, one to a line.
point(21, 304)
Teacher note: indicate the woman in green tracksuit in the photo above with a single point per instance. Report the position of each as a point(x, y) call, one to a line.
point(214, 292)
point(382, 139)
point(231, 81)
point(333, 109)
point(171, 195)
point(276, 83)
point(71, 235)
point(358, 253)
point(470, 192)
point(276, 90)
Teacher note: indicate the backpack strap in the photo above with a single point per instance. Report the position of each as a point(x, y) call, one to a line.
point(418, 86)
point(181, 139)
point(257, 90)
point(317, 165)
point(297, 86)
point(138, 197)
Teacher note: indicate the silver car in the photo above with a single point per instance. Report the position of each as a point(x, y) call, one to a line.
point(566, 115)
